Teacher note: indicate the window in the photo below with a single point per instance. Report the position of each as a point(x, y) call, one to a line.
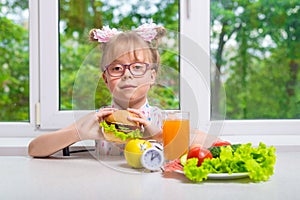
point(50, 106)
point(18, 117)
point(14, 61)
point(254, 49)
point(62, 102)
point(77, 94)
point(257, 57)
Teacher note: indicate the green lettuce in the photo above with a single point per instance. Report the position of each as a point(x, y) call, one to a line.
point(257, 161)
point(194, 173)
point(123, 136)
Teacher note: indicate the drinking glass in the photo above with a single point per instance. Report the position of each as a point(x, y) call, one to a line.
point(176, 134)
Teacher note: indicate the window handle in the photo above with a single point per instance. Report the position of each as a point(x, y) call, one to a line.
point(188, 8)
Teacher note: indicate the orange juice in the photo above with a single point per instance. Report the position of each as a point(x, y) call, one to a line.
point(176, 137)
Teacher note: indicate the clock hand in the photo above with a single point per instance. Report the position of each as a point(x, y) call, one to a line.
point(153, 156)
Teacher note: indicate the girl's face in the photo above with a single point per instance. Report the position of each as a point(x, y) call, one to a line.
point(128, 90)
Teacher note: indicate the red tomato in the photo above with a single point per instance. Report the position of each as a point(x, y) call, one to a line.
point(220, 143)
point(200, 153)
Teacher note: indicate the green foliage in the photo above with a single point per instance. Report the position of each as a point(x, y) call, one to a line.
point(261, 71)
point(14, 76)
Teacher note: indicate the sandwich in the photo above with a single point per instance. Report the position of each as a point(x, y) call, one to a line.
point(117, 128)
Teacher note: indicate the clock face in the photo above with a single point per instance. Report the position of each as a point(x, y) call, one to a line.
point(152, 159)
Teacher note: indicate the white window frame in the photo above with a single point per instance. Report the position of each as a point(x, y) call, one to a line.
point(27, 129)
point(51, 116)
point(194, 26)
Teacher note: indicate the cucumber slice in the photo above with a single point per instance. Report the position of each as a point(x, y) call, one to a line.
point(183, 159)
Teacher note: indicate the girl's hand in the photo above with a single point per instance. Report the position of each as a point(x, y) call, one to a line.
point(104, 112)
point(150, 131)
point(88, 126)
point(141, 119)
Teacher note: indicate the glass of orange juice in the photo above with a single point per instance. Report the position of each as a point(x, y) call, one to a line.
point(176, 134)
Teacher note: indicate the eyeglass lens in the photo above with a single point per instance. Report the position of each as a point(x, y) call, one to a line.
point(136, 69)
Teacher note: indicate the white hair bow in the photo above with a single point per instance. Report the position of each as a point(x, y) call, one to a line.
point(146, 31)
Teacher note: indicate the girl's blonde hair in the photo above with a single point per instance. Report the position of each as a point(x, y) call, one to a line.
point(129, 42)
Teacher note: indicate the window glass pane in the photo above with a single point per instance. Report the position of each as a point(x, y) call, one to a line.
point(80, 58)
point(14, 60)
point(255, 45)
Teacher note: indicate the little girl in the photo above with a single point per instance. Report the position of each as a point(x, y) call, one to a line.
point(130, 62)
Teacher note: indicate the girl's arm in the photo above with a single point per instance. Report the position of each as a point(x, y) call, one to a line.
point(49, 143)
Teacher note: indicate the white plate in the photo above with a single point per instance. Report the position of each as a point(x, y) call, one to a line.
point(223, 175)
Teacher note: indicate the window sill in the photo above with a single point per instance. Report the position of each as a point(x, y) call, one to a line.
point(18, 146)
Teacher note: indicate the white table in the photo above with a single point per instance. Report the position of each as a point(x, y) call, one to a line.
point(83, 177)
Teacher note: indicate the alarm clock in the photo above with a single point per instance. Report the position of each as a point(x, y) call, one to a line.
point(153, 158)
